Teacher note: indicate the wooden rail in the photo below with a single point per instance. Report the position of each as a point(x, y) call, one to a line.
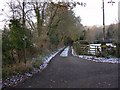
point(90, 50)
point(94, 50)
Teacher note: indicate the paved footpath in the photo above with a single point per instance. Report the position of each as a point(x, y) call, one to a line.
point(73, 72)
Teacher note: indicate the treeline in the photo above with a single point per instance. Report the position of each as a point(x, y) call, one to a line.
point(38, 28)
point(95, 33)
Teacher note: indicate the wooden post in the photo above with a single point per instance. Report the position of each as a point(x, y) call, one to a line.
point(25, 51)
point(95, 50)
point(24, 39)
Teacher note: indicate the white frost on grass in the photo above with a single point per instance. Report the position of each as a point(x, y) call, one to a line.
point(97, 59)
point(65, 52)
point(47, 59)
point(73, 52)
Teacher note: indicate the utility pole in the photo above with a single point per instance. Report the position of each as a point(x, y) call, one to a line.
point(104, 36)
point(103, 21)
point(111, 2)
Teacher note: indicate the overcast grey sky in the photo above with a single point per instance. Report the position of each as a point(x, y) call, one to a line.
point(90, 15)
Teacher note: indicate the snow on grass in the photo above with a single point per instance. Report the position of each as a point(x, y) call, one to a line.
point(97, 59)
point(47, 59)
point(65, 52)
point(73, 52)
point(14, 80)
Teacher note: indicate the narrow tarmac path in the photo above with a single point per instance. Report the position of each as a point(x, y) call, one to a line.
point(73, 72)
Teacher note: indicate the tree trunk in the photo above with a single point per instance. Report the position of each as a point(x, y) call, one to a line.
point(18, 54)
point(23, 14)
point(12, 54)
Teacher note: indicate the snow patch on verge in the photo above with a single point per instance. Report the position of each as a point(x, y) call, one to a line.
point(47, 59)
point(14, 80)
point(99, 59)
point(73, 52)
point(65, 52)
point(96, 59)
